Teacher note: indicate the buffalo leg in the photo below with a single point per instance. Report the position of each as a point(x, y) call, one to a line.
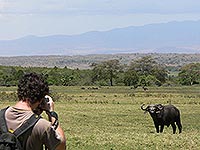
point(161, 128)
point(174, 128)
point(157, 128)
point(179, 126)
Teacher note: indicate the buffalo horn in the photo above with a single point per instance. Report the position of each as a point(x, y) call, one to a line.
point(145, 109)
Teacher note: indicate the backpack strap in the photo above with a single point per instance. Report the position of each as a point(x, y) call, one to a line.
point(3, 125)
point(25, 129)
point(27, 125)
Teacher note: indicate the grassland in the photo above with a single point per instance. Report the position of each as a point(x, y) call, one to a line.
point(110, 118)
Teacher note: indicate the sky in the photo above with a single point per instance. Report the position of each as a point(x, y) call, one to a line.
point(19, 18)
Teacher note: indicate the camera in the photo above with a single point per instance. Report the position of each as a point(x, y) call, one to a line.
point(44, 106)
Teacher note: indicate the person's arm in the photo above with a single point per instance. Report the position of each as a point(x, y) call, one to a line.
point(53, 120)
point(62, 145)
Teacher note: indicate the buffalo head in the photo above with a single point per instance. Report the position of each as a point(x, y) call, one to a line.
point(153, 109)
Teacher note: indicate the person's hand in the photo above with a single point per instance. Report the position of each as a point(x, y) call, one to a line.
point(49, 106)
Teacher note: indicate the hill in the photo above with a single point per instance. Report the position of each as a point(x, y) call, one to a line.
point(84, 61)
point(179, 37)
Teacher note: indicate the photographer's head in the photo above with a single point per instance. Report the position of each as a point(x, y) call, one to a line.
point(32, 87)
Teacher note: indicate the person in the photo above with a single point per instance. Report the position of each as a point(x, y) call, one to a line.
point(32, 91)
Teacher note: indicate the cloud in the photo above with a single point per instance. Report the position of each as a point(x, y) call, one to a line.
point(98, 7)
point(4, 5)
point(47, 17)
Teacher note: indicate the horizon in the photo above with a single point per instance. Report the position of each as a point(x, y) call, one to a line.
point(20, 18)
point(105, 54)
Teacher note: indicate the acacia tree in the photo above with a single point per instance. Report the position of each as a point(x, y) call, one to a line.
point(131, 78)
point(106, 70)
point(148, 69)
point(190, 74)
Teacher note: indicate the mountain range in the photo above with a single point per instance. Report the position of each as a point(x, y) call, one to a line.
point(171, 37)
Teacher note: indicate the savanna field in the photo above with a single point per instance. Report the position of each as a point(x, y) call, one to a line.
point(110, 118)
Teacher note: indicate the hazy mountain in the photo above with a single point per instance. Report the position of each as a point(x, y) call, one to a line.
point(179, 37)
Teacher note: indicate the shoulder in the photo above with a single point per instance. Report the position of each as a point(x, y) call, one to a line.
point(42, 126)
point(46, 133)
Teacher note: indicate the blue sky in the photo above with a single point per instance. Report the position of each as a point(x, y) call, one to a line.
point(20, 18)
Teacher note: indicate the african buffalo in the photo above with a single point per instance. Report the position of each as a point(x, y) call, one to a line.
point(164, 115)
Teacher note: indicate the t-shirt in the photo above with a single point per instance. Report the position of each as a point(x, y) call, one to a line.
point(42, 134)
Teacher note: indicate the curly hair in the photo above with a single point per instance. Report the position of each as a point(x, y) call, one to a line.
point(32, 87)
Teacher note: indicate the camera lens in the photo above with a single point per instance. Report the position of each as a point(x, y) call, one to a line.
point(46, 99)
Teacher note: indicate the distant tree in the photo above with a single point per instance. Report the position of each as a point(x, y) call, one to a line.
point(149, 71)
point(160, 73)
point(19, 74)
point(131, 78)
point(107, 70)
point(85, 77)
point(54, 76)
point(66, 77)
point(190, 74)
point(97, 72)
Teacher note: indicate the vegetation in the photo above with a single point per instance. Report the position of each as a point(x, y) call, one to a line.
point(109, 117)
point(106, 70)
point(190, 74)
point(148, 71)
point(141, 72)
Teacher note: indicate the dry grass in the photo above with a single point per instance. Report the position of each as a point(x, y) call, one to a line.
point(110, 117)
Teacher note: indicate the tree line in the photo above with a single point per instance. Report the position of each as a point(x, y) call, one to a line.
point(142, 72)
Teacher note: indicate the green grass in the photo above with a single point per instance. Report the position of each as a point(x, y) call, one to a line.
point(111, 118)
